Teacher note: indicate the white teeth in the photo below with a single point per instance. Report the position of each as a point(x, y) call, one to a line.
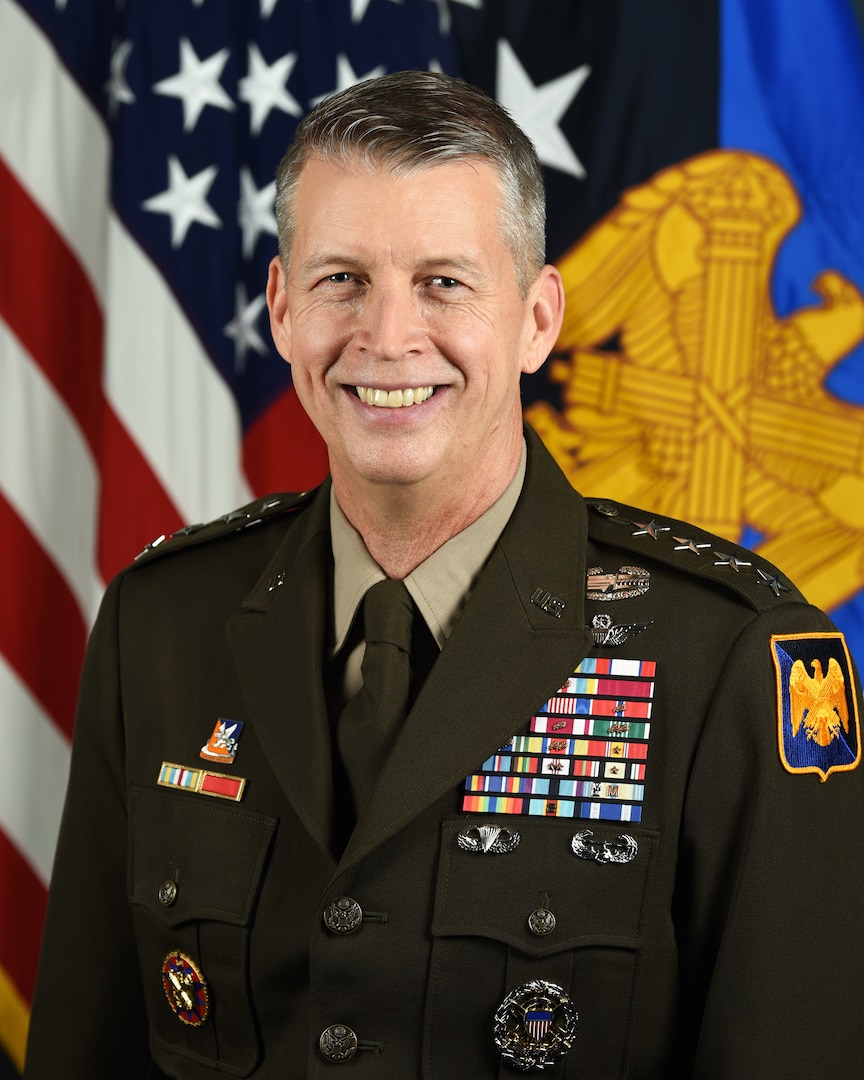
point(395, 399)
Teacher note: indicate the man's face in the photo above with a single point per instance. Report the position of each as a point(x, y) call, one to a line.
point(398, 285)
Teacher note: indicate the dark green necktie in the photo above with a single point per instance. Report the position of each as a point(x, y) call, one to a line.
point(370, 722)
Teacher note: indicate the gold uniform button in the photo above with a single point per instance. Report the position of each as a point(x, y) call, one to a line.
point(343, 915)
point(337, 1043)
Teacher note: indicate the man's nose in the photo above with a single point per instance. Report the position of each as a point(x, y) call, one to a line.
point(391, 323)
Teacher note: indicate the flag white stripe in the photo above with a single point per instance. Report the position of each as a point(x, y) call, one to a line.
point(65, 167)
point(33, 748)
point(174, 404)
point(165, 390)
point(47, 472)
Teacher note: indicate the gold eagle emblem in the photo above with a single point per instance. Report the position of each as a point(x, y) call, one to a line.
point(818, 701)
point(685, 390)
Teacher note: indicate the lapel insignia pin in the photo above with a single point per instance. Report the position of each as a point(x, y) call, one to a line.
point(275, 582)
point(185, 989)
point(605, 632)
point(488, 839)
point(535, 1025)
point(552, 605)
point(602, 851)
point(628, 581)
point(222, 744)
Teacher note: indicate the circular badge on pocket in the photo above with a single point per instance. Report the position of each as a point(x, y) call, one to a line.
point(185, 988)
point(535, 1025)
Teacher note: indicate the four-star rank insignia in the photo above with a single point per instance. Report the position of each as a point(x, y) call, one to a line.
point(818, 726)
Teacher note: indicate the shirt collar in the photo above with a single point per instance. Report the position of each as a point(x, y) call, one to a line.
point(439, 586)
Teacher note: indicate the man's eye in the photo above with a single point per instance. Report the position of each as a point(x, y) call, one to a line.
point(341, 278)
point(442, 282)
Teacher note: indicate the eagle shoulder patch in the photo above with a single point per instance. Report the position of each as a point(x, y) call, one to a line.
point(818, 726)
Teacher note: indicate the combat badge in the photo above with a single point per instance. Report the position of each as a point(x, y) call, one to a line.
point(222, 744)
point(626, 582)
point(535, 1025)
point(602, 851)
point(818, 726)
point(185, 989)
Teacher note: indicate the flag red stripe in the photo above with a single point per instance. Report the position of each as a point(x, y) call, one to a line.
point(49, 303)
point(282, 451)
point(134, 506)
point(22, 913)
point(42, 631)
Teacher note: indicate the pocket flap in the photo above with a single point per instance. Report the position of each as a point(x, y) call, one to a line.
point(192, 860)
point(593, 902)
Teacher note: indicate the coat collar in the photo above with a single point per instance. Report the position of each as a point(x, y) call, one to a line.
point(519, 637)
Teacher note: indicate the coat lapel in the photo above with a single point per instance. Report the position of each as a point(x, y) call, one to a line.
point(278, 644)
point(505, 658)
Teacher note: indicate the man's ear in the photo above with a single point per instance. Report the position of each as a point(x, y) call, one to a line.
point(277, 304)
point(546, 312)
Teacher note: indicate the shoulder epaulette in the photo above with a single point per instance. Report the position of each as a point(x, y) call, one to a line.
point(256, 512)
point(691, 550)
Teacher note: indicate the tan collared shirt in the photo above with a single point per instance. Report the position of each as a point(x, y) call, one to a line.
point(439, 586)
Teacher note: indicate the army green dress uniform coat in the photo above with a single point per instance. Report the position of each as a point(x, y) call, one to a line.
point(727, 944)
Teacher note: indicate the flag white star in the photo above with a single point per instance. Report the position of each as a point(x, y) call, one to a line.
point(197, 83)
point(359, 7)
point(242, 329)
point(117, 88)
point(445, 19)
point(537, 109)
point(267, 8)
point(255, 211)
point(345, 77)
point(264, 88)
point(185, 200)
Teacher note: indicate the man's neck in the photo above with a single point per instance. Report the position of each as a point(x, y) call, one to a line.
point(402, 526)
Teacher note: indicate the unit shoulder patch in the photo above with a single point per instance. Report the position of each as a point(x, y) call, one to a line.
point(692, 551)
point(253, 513)
point(818, 726)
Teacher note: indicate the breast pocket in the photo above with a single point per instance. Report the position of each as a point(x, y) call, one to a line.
point(529, 905)
point(195, 873)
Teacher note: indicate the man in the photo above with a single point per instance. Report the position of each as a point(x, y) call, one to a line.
point(618, 832)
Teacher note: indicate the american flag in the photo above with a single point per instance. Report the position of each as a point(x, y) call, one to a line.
point(139, 389)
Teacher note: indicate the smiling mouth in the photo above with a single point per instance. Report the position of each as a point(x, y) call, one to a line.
point(395, 399)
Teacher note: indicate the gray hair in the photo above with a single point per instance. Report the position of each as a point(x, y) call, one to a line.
point(413, 120)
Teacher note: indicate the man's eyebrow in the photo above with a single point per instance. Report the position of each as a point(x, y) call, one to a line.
point(325, 261)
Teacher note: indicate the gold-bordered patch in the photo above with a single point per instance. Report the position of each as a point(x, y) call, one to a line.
point(818, 726)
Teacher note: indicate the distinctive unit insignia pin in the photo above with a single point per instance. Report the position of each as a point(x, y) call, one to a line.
point(535, 1025)
point(628, 581)
point(602, 851)
point(222, 744)
point(488, 839)
point(185, 989)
